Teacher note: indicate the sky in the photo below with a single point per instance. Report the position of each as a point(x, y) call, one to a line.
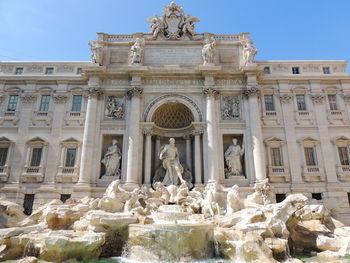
point(59, 30)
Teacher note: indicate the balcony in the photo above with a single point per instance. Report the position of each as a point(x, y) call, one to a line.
point(313, 173)
point(4, 173)
point(75, 118)
point(343, 172)
point(304, 117)
point(67, 174)
point(32, 174)
point(336, 116)
point(271, 118)
point(279, 174)
point(9, 116)
point(42, 118)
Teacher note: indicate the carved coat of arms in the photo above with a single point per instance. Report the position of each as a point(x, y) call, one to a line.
point(173, 24)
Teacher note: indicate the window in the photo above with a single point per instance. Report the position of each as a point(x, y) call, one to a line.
point(326, 70)
point(295, 70)
point(310, 156)
point(65, 197)
point(12, 106)
point(280, 197)
point(49, 71)
point(36, 157)
point(76, 104)
point(269, 105)
point(344, 155)
point(45, 103)
point(317, 196)
point(19, 71)
point(70, 157)
point(332, 100)
point(3, 155)
point(276, 156)
point(267, 70)
point(79, 71)
point(301, 102)
point(28, 203)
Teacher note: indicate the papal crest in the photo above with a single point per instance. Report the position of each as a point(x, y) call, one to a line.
point(173, 24)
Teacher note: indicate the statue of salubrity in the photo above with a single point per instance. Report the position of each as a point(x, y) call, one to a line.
point(233, 160)
point(111, 160)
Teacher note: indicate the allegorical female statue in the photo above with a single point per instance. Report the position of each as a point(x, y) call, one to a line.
point(111, 160)
point(233, 158)
point(170, 157)
point(208, 52)
point(136, 51)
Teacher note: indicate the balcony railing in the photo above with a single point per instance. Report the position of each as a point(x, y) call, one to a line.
point(74, 118)
point(44, 117)
point(32, 174)
point(67, 174)
point(313, 173)
point(343, 172)
point(304, 115)
point(279, 174)
point(336, 115)
point(12, 116)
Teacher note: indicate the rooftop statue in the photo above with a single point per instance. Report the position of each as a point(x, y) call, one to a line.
point(249, 52)
point(208, 52)
point(136, 51)
point(173, 24)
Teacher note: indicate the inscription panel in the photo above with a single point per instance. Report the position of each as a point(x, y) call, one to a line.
point(173, 56)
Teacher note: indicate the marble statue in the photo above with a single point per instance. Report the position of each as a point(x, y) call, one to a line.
point(208, 52)
point(136, 51)
point(111, 160)
point(263, 193)
point(157, 25)
point(233, 158)
point(231, 107)
point(188, 25)
point(96, 52)
point(249, 52)
point(114, 108)
point(234, 202)
point(170, 158)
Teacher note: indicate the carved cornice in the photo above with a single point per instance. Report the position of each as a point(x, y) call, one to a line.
point(134, 91)
point(60, 98)
point(28, 98)
point(346, 98)
point(317, 98)
point(211, 92)
point(251, 91)
point(286, 98)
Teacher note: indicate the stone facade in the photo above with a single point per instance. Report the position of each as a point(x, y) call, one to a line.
point(58, 119)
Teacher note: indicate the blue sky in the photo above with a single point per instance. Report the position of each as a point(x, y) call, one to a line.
point(281, 29)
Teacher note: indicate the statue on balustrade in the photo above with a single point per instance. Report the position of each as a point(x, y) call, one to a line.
point(233, 158)
point(96, 52)
point(249, 52)
point(111, 160)
point(208, 52)
point(170, 158)
point(136, 51)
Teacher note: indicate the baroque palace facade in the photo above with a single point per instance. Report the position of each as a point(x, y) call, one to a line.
point(67, 129)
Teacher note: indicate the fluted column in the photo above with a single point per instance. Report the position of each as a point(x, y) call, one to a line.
point(212, 133)
point(188, 152)
point(252, 93)
point(94, 93)
point(148, 151)
point(197, 156)
point(132, 171)
point(156, 152)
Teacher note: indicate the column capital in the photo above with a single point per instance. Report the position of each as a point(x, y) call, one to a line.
point(28, 98)
point(197, 132)
point(134, 91)
point(148, 131)
point(94, 92)
point(210, 91)
point(286, 98)
point(251, 91)
point(317, 98)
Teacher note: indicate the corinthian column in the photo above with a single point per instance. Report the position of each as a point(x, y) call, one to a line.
point(197, 156)
point(212, 133)
point(148, 152)
point(252, 93)
point(132, 168)
point(94, 93)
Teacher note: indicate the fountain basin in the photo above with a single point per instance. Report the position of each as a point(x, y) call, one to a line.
point(170, 242)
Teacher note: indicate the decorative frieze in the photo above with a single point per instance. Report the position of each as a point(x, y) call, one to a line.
point(60, 98)
point(251, 91)
point(114, 108)
point(230, 107)
point(317, 98)
point(65, 69)
point(28, 98)
point(286, 98)
point(230, 82)
point(311, 68)
point(134, 91)
point(173, 82)
point(6, 68)
point(34, 69)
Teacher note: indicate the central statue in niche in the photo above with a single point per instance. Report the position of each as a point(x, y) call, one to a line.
point(171, 163)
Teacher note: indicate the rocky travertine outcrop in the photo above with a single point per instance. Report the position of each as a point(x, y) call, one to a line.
point(217, 222)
